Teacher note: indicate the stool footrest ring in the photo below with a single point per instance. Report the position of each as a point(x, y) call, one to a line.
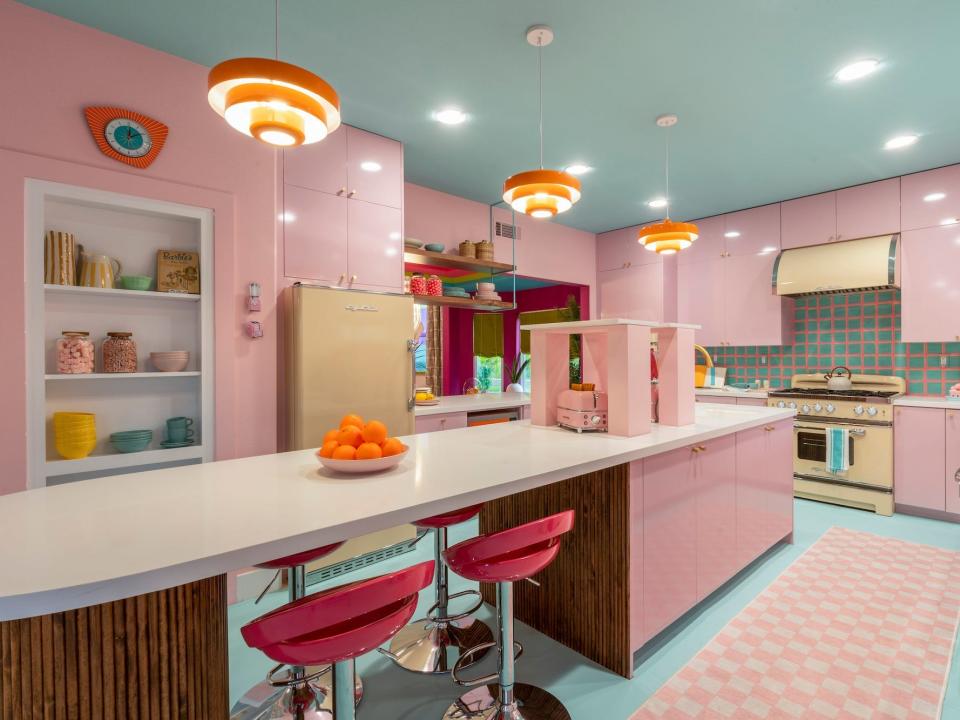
point(461, 616)
point(292, 681)
point(486, 679)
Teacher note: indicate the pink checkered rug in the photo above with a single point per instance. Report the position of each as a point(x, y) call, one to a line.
point(860, 626)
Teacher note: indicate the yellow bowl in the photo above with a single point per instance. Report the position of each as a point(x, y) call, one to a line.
point(75, 450)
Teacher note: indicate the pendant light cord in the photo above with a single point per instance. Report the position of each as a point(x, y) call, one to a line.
point(276, 29)
point(666, 169)
point(540, 92)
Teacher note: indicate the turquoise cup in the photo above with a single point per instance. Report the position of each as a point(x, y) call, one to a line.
point(179, 429)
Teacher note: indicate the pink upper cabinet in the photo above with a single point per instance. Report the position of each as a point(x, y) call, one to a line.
point(810, 220)
point(375, 260)
point(928, 198)
point(621, 249)
point(314, 235)
point(700, 293)
point(710, 243)
point(868, 210)
point(634, 292)
point(321, 166)
point(953, 461)
point(753, 313)
point(748, 232)
point(930, 284)
point(374, 168)
point(919, 450)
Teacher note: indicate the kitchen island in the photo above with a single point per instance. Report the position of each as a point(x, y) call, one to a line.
point(161, 542)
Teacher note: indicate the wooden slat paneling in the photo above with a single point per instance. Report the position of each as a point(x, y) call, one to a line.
point(160, 655)
point(584, 597)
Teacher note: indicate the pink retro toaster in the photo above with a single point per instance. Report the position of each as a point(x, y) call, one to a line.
point(582, 410)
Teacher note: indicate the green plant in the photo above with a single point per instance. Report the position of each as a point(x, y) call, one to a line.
point(571, 313)
point(517, 367)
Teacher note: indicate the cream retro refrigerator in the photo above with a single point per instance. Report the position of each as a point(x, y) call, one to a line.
point(348, 352)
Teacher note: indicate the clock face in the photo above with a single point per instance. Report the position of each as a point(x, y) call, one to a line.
point(128, 137)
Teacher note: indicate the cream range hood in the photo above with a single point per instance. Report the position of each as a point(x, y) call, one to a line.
point(848, 266)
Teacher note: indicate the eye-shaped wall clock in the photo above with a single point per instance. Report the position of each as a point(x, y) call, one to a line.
point(126, 136)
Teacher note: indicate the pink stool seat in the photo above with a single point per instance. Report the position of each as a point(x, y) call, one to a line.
point(454, 517)
point(513, 554)
point(300, 558)
point(340, 623)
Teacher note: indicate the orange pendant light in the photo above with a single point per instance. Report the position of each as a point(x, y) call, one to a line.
point(667, 237)
point(275, 102)
point(541, 193)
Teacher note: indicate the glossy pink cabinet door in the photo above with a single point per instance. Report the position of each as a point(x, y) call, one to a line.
point(375, 258)
point(374, 168)
point(757, 230)
point(868, 210)
point(919, 457)
point(715, 469)
point(619, 249)
point(779, 479)
point(953, 461)
point(753, 313)
point(930, 284)
point(320, 166)
point(436, 423)
point(635, 293)
point(764, 488)
point(709, 245)
point(314, 235)
point(810, 220)
point(917, 212)
point(669, 538)
point(716, 399)
point(700, 298)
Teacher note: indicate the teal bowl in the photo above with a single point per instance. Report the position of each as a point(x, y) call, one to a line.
point(129, 446)
point(434, 247)
point(135, 282)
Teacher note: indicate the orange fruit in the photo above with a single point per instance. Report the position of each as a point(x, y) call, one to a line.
point(332, 435)
point(328, 447)
point(351, 419)
point(392, 446)
point(345, 452)
point(369, 451)
point(374, 432)
point(350, 435)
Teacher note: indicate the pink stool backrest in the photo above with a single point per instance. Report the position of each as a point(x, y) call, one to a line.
point(340, 623)
point(512, 554)
point(451, 518)
point(300, 558)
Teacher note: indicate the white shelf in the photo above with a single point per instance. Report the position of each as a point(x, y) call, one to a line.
point(100, 463)
point(122, 376)
point(118, 293)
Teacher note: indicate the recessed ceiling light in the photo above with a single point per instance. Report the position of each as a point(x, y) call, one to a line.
point(949, 221)
point(900, 141)
point(731, 234)
point(658, 202)
point(933, 197)
point(577, 169)
point(856, 70)
point(371, 166)
point(450, 116)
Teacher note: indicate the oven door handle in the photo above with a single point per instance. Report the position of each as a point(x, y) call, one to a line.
point(856, 432)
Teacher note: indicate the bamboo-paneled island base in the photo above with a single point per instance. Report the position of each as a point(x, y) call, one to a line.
point(141, 602)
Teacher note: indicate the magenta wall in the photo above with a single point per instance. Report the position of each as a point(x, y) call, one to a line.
point(53, 68)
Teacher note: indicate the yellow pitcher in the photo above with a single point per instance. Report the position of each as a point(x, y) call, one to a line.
point(700, 371)
point(98, 270)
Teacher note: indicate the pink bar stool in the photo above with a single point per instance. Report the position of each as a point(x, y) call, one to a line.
point(335, 627)
point(505, 557)
point(273, 693)
point(434, 643)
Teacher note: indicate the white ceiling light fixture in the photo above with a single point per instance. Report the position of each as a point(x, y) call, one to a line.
point(659, 202)
point(900, 141)
point(731, 234)
point(371, 166)
point(450, 116)
point(577, 169)
point(934, 197)
point(857, 70)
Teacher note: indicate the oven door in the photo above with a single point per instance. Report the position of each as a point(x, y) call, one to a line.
point(870, 453)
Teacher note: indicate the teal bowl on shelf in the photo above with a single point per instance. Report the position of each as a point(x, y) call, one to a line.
point(129, 441)
point(434, 247)
point(135, 282)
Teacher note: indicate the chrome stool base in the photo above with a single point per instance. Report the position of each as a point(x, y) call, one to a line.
point(530, 703)
point(428, 646)
point(311, 700)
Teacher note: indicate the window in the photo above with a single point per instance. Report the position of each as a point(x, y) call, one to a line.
point(420, 320)
point(489, 373)
point(488, 351)
point(525, 376)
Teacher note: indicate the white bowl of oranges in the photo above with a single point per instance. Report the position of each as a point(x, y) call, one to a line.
point(359, 447)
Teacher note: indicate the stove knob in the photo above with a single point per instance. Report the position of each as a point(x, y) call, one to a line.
point(781, 404)
point(792, 406)
point(818, 407)
point(830, 407)
point(871, 411)
point(805, 409)
point(595, 419)
point(858, 410)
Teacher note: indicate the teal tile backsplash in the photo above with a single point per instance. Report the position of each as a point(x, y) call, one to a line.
point(859, 330)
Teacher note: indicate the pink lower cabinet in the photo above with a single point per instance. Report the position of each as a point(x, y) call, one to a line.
point(764, 488)
point(445, 421)
point(714, 468)
point(755, 402)
point(717, 399)
point(953, 461)
point(919, 457)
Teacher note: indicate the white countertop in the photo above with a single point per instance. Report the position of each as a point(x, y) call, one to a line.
point(927, 401)
point(717, 392)
point(94, 541)
point(473, 403)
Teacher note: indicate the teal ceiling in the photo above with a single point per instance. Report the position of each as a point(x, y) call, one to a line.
point(760, 117)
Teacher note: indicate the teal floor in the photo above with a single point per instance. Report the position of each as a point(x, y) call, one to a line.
point(585, 688)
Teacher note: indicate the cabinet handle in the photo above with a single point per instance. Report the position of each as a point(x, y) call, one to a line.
point(353, 279)
point(352, 193)
point(698, 448)
point(769, 428)
point(340, 281)
point(838, 237)
point(341, 191)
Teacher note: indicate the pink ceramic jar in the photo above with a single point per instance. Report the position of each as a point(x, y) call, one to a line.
point(74, 353)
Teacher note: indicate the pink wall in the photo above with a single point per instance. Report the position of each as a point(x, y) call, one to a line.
point(53, 68)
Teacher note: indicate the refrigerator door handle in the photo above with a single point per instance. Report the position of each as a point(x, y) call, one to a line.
point(411, 348)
